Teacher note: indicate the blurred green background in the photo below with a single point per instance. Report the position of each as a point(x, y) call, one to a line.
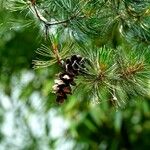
point(31, 120)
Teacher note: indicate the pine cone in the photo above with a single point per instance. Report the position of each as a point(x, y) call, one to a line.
point(62, 86)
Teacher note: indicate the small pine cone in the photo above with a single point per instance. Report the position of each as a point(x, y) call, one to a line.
point(62, 86)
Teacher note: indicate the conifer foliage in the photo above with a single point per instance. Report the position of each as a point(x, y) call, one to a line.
point(112, 35)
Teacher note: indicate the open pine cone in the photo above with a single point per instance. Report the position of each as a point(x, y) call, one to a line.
point(72, 67)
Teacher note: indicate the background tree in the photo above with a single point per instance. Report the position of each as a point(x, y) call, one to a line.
point(114, 38)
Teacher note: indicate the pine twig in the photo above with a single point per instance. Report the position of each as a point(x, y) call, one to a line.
point(46, 22)
point(55, 51)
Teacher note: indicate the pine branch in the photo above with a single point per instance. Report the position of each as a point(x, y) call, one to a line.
point(47, 23)
point(104, 33)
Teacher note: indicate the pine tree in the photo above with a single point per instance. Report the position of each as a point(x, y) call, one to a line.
point(112, 36)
